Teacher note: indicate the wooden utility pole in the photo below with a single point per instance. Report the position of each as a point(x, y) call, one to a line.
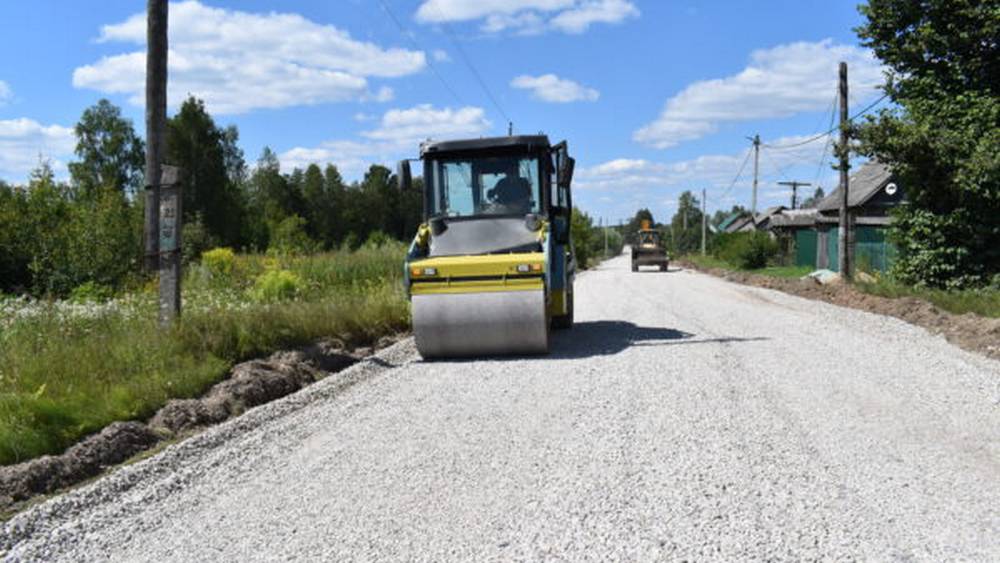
point(156, 121)
point(845, 234)
point(756, 169)
point(795, 189)
point(704, 222)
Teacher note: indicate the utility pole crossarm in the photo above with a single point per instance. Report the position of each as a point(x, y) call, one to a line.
point(795, 187)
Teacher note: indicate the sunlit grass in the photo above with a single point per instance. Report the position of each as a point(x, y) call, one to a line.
point(67, 370)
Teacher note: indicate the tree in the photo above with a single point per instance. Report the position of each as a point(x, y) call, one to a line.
point(942, 140)
point(633, 225)
point(318, 205)
point(211, 160)
point(111, 154)
point(685, 226)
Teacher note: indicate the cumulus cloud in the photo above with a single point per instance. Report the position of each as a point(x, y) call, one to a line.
point(399, 132)
point(711, 171)
point(6, 94)
point(24, 142)
point(441, 56)
point(528, 16)
point(778, 82)
point(239, 61)
point(551, 88)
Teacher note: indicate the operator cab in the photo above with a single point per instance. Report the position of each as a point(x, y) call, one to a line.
point(492, 195)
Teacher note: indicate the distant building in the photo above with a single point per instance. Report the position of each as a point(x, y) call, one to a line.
point(739, 221)
point(762, 221)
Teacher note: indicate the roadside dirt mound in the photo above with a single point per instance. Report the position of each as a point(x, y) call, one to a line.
point(248, 384)
point(113, 445)
point(969, 331)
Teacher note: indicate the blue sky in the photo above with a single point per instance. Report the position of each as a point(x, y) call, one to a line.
point(655, 97)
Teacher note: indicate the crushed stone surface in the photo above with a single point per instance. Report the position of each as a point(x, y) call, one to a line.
point(684, 417)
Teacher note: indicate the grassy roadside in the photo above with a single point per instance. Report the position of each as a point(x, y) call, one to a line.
point(983, 302)
point(69, 369)
point(774, 271)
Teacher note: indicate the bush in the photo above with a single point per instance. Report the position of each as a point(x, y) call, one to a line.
point(219, 262)
point(748, 251)
point(196, 240)
point(276, 285)
point(91, 292)
point(378, 239)
point(288, 236)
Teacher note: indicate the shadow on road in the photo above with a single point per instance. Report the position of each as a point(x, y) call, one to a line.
point(603, 338)
point(652, 270)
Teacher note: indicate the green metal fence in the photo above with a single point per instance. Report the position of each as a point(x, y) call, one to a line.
point(872, 252)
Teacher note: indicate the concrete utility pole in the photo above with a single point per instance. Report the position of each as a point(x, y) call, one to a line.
point(156, 122)
point(845, 234)
point(795, 189)
point(704, 222)
point(756, 169)
point(171, 228)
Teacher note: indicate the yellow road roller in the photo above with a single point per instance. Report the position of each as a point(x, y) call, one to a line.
point(491, 268)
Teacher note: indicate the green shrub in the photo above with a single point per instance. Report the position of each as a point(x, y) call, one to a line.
point(288, 236)
point(91, 292)
point(378, 239)
point(276, 285)
point(748, 251)
point(219, 262)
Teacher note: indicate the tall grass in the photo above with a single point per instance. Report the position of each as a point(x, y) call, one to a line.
point(67, 370)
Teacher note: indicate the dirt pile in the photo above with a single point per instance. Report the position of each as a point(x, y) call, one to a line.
point(248, 384)
point(969, 331)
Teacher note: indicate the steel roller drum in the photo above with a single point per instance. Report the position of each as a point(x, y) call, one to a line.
point(480, 324)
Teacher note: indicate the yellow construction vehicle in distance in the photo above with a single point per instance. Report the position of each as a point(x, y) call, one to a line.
point(648, 248)
point(491, 268)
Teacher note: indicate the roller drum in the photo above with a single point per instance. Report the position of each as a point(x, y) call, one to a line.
point(480, 324)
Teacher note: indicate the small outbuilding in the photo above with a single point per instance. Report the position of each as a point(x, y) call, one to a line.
point(872, 193)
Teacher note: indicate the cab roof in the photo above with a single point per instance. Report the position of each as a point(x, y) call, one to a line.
point(527, 142)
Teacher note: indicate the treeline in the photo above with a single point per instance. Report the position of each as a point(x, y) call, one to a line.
point(56, 237)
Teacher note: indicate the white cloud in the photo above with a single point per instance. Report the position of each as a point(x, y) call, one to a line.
point(441, 56)
point(579, 18)
point(6, 94)
point(238, 61)
point(424, 121)
point(617, 188)
point(23, 142)
point(778, 82)
point(399, 132)
point(528, 16)
point(551, 88)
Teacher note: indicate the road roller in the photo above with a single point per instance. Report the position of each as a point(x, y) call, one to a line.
point(649, 249)
point(490, 270)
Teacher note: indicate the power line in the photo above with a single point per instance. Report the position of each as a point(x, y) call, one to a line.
point(417, 46)
point(736, 179)
point(472, 68)
point(831, 130)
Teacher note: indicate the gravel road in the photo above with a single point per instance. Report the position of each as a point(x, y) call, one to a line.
point(684, 417)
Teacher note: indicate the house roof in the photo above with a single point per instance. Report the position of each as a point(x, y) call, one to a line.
point(863, 185)
point(768, 213)
point(731, 219)
point(794, 218)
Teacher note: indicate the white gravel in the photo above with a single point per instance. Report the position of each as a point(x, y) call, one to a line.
point(683, 418)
